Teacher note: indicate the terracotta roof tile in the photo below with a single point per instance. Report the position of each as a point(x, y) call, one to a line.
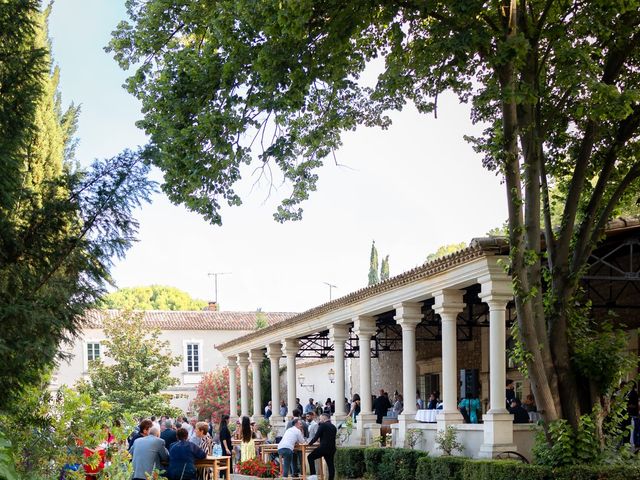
point(194, 320)
point(477, 249)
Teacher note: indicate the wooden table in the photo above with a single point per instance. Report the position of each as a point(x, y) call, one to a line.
point(219, 464)
point(266, 450)
point(306, 449)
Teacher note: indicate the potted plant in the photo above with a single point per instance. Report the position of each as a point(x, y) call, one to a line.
point(256, 468)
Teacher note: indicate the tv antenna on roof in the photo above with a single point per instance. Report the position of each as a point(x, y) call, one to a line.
point(215, 277)
point(331, 287)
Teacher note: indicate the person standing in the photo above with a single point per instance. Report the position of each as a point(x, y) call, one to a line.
point(309, 407)
point(291, 437)
point(283, 409)
point(168, 434)
point(225, 440)
point(327, 435)
point(419, 401)
point(247, 446)
point(381, 406)
point(268, 410)
point(148, 453)
point(206, 444)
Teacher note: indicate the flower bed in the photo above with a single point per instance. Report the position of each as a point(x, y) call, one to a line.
point(256, 468)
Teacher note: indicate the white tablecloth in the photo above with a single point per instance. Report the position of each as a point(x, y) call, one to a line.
point(427, 415)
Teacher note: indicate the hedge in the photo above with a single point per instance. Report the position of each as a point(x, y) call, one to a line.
point(503, 470)
point(349, 462)
point(603, 472)
point(405, 464)
point(399, 464)
point(440, 468)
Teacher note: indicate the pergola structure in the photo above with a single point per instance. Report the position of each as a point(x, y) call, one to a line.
point(448, 301)
point(445, 301)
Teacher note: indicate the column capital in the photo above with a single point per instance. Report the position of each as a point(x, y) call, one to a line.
point(256, 356)
point(338, 333)
point(364, 326)
point(274, 351)
point(408, 314)
point(448, 302)
point(496, 290)
point(290, 346)
point(232, 362)
point(243, 359)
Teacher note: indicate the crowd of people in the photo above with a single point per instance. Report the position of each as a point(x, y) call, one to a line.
point(175, 445)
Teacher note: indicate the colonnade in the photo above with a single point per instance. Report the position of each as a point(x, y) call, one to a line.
point(448, 304)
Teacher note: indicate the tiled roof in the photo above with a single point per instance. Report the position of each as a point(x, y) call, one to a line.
point(194, 320)
point(479, 247)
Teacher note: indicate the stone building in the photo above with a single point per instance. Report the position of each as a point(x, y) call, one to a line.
point(192, 335)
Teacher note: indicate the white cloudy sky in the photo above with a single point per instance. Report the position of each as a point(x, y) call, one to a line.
point(412, 188)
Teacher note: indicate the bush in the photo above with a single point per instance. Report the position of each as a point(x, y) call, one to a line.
point(399, 464)
point(440, 468)
point(503, 470)
point(349, 462)
point(373, 460)
point(600, 472)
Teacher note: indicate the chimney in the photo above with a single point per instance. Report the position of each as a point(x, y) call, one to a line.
point(213, 307)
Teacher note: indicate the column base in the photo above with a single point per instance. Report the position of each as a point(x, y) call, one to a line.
point(448, 417)
point(256, 418)
point(404, 419)
point(498, 433)
point(276, 420)
point(364, 419)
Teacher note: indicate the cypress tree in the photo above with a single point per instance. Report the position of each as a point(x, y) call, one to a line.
point(384, 269)
point(373, 265)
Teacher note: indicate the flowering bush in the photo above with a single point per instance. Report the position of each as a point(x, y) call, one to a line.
point(212, 394)
point(257, 468)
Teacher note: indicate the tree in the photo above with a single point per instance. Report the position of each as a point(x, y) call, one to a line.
point(555, 83)
point(373, 265)
point(138, 370)
point(154, 297)
point(445, 250)
point(384, 269)
point(61, 226)
point(261, 319)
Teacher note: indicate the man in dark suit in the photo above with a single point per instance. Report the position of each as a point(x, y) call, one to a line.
point(168, 434)
point(380, 406)
point(326, 433)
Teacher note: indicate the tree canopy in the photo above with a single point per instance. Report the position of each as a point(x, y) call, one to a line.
point(61, 226)
point(138, 370)
point(445, 250)
point(153, 297)
point(555, 84)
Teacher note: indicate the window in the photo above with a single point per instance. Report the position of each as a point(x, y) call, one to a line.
point(193, 357)
point(93, 351)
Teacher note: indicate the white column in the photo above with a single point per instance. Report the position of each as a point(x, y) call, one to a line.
point(256, 357)
point(290, 349)
point(339, 334)
point(448, 304)
point(365, 328)
point(408, 316)
point(496, 292)
point(233, 387)
point(274, 352)
point(243, 361)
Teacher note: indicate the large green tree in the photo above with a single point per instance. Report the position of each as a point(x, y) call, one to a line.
point(60, 225)
point(153, 297)
point(555, 83)
point(138, 369)
point(445, 250)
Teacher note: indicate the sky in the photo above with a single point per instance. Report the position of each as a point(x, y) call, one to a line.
point(411, 188)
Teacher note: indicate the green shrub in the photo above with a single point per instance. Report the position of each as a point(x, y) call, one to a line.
point(440, 468)
point(503, 470)
point(599, 472)
point(399, 464)
point(349, 462)
point(373, 460)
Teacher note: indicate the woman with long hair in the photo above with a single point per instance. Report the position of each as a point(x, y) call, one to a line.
point(247, 446)
point(225, 441)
